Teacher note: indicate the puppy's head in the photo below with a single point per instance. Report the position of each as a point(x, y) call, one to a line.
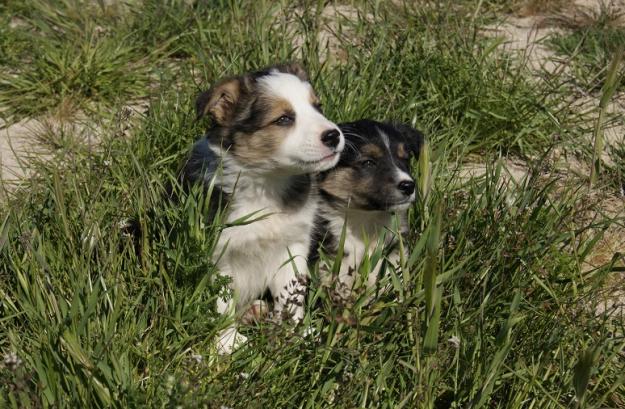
point(271, 120)
point(374, 170)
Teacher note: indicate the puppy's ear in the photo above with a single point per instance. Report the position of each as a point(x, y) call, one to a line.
point(413, 140)
point(220, 100)
point(294, 68)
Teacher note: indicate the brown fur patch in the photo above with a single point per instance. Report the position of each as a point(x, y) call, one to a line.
point(342, 183)
point(257, 147)
point(275, 108)
point(402, 153)
point(372, 150)
point(261, 145)
point(337, 180)
point(220, 101)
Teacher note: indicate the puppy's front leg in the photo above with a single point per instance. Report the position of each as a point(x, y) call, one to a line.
point(288, 287)
point(228, 339)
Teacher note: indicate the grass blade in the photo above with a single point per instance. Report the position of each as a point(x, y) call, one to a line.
point(607, 91)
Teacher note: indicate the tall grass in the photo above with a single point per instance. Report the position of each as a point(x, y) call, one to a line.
point(608, 90)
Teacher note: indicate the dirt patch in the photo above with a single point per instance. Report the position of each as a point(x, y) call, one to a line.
point(585, 9)
point(335, 30)
point(523, 36)
point(17, 144)
point(606, 206)
point(614, 125)
point(512, 170)
point(39, 138)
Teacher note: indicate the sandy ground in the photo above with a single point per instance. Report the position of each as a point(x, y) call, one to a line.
point(17, 142)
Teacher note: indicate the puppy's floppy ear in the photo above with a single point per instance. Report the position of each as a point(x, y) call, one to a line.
point(293, 68)
point(413, 139)
point(220, 100)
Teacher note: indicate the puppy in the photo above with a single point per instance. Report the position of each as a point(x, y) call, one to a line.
point(268, 136)
point(369, 186)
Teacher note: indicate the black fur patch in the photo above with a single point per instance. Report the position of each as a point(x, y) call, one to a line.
point(297, 192)
point(199, 169)
point(322, 238)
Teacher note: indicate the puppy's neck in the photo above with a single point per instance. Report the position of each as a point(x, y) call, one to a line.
point(369, 222)
point(235, 178)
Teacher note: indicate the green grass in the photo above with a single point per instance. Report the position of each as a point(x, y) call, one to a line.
point(493, 307)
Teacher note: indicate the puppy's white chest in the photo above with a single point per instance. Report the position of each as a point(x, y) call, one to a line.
point(264, 242)
point(264, 224)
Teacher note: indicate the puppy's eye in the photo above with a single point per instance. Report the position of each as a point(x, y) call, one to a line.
point(368, 163)
point(284, 120)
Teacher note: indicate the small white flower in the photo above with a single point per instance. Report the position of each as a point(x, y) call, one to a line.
point(12, 361)
point(197, 358)
point(123, 223)
point(169, 384)
point(454, 341)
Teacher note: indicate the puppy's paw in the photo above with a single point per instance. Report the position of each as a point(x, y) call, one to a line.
point(229, 340)
point(297, 313)
point(256, 312)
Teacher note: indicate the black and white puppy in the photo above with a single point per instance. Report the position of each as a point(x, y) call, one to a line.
point(369, 186)
point(268, 137)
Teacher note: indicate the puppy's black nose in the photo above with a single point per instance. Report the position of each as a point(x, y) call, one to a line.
point(406, 187)
point(331, 138)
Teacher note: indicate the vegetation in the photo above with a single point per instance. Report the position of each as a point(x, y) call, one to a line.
point(496, 305)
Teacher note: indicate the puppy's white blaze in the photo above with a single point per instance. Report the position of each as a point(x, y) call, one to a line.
point(402, 176)
point(303, 144)
point(387, 142)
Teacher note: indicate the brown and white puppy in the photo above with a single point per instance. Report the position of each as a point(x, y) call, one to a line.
point(370, 185)
point(268, 137)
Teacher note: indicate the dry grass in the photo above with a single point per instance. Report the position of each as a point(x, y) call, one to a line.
point(527, 8)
